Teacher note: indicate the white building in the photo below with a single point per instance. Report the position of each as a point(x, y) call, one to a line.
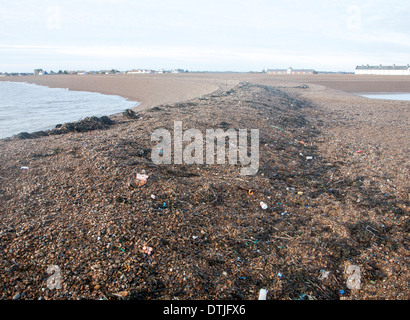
point(383, 70)
point(290, 70)
point(139, 71)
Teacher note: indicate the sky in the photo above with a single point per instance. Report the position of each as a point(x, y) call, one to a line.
point(222, 35)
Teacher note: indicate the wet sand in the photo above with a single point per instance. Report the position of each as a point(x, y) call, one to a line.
point(333, 172)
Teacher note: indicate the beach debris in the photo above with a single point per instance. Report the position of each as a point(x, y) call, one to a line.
point(303, 296)
point(278, 128)
point(359, 151)
point(300, 193)
point(23, 135)
point(250, 191)
point(153, 197)
point(147, 250)
point(86, 125)
point(17, 296)
point(280, 275)
point(141, 179)
point(24, 168)
point(323, 274)
point(122, 294)
point(309, 158)
point(263, 205)
point(262, 294)
point(130, 114)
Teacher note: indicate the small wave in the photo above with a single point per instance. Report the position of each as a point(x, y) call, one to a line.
point(27, 108)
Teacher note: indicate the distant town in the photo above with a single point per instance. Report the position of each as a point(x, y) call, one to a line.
point(41, 72)
point(359, 70)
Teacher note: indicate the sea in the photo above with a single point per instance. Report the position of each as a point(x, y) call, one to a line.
point(386, 95)
point(28, 107)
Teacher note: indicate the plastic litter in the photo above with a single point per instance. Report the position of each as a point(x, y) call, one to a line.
point(324, 274)
point(262, 294)
point(147, 250)
point(24, 168)
point(309, 158)
point(278, 128)
point(141, 179)
point(263, 205)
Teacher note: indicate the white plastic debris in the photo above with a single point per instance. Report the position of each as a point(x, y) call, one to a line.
point(262, 294)
point(142, 179)
point(309, 158)
point(24, 168)
point(153, 197)
point(323, 274)
point(263, 205)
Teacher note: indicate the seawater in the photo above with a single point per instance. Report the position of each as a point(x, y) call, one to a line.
point(386, 95)
point(29, 107)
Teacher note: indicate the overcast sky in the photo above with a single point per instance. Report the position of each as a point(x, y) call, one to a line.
point(217, 35)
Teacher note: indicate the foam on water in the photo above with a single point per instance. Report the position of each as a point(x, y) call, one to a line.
point(28, 107)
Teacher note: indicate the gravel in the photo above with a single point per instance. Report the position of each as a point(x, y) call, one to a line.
point(198, 231)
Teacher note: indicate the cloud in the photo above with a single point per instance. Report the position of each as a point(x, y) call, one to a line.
point(241, 35)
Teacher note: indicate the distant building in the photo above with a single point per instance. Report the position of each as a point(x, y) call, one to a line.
point(138, 71)
point(383, 70)
point(177, 71)
point(290, 71)
point(38, 72)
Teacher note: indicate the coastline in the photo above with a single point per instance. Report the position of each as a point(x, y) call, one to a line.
point(149, 91)
point(77, 205)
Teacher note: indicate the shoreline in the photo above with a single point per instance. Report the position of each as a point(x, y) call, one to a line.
point(146, 90)
point(50, 128)
point(78, 205)
point(201, 81)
